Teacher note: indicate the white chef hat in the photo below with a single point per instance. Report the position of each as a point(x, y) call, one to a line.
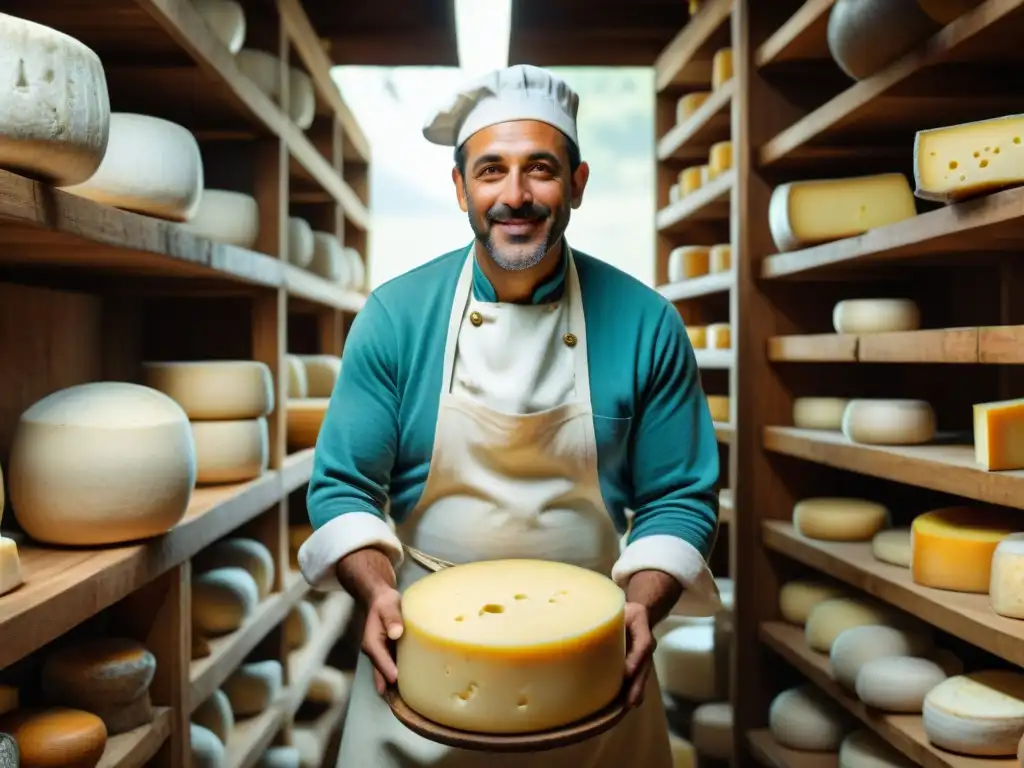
point(522, 92)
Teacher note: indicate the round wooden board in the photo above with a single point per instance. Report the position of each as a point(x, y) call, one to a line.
point(573, 733)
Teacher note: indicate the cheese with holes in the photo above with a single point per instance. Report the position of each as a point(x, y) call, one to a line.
point(357, 268)
point(688, 105)
point(280, 757)
point(56, 736)
point(207, 750)
point(215, 715)
point(98, 672)
point(226, 217)
point(698, 335)
point(254, 686)
point(690, 179)
point(892, 546)
point(720, 258)
point(152, 166)
point(226, 20)
point(721, 68)
point(719, 407)
point(963, 161)
point(999, 434)
point(685, 662)
point(719, 158)
point(863, 749)
point(305, 417)
point(237, 552)
point(231, 451)
point(10, 565)
point(979, 714)
point(101, 463)
point(889, 422)
point(875, 316)
point(511, 646)
point(804, 718)
point(819, 412)
point(896, 683)
point(321, 373)
point(806, 213)
point(687, 261)
point(856, 646)
point(214, 390)
point(264, 69)
point(300, 242)
point(329, 258)
point(298, 384)
point(839, 519)
point(55, 109)
point(1006, 587)
point(683, 753)
point(222, 599)
point(329, 686)
point(952, 548)
point(301, 98)
point(712, 730)
point(830, 618)
point(798, 598)
point(300, 625)
point(719, 336)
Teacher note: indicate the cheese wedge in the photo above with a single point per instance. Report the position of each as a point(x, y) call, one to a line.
point(999, 434)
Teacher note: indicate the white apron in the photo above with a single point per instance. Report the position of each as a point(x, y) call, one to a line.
point(508, 486)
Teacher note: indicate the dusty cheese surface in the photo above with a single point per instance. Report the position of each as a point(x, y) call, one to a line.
point(511, 646)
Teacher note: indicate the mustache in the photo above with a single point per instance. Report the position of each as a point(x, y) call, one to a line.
point(530, 211)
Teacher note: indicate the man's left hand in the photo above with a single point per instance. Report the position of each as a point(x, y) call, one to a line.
point(640, 644)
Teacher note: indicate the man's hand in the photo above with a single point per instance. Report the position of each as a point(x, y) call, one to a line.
point(649, 597)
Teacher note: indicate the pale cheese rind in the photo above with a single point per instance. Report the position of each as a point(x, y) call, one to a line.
point(889, 422)
point(952, 548)
point(226, 20)
point(863, 749)
point(298, 384)
point(804, 718)
point(214, 390)
point(1006, 586)
point(979, 714)
point(861, 316)
point(719, 336)
point(300, 242)
point(226, 217)
point(712, 730)
point(322, 373)
point(254, 686)
point(329, 260)
point(280, 757)
point(305, 417)
point(830, 618)
point(897, 683)
point(301, 98)
point(999, 435)
point(215, 715)
point(238, 552)
point(720, 258)
point(839, 519)
point(231, 451)
point(357, 269)
point(10, 565)
point(688, 261)
point(819, 412)
point(300, 625)
point(856, 646)
point(207, 750)
point(685, 662)
point(893, 547)
point(222, 599)
point(264, 69)
point(799, 597)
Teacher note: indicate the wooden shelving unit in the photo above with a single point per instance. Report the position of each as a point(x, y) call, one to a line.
point(89, 292)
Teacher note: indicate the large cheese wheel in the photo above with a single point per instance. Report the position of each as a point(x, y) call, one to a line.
point(264, 69)
point(304, 420)
point(864, 36)
point(952, 548)
point(226, 20)
point(685, 662)
point(698, 336)
point(215, 390)
point(207, 750)
point(231, 451)
point(54, 108)
point(720, 258)
point(889, 422)
point(898, 683)
point(329, 260)
point(215, 714)
point(856, 646)
point(798, 598)
point(838, 519)
point(280, 757)
point(804, 718)
point(1006, 584)
point(56, 737)
point(979, 714)
point(222, 599)
point(301, 98)
point(819, 412)
point(250, 555)
point(712, 730)
point(300, 625)
point(357, 268)
point(227, 217)
point(511, 646)
point(300, 242)
point(892, 546)
point(688, 261)
point(674, 621)
point(101, 463)
point(863, 749)
point(875, 316)
point(254, 686)
point(298, 384)
point(321, 374)
point(152, 166)
point(98, 672)
point(830, 618)
point(10, 566)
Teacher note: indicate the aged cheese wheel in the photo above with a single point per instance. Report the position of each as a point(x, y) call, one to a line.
point(1006, 585)
point(101, 463)
point(329, 260)
point(301, 98)
point(298, 384)
point(254, 686)
point(231, 451)
point(304, 420)
point(864, 36)
point(804, 718)
point(685, 662)
point(819, 412)
point(207, 749)
point(264, 69)
point(953, 548)
point(222, 599)
point(215, 390)
point(719, 158)
point(237, 552)
point(321, 373)
point(215, 715)
point(688, 261)
point(691, 179)
point(875, 316)
point(300, 625)
point(511, 646)
point(712, 730)
point(227, 217)
point(721, 68)
point(897, 683)
point(57, 737)
point(280, 757)
point(830, 618)
point(10, 566)
point(719, 407)
point(889, 422)
point(98, 672)
point(892, 546)
point(719, 336)
point(698, 336)
point(300, 242)
point(856, 646)
point(226, 20)
point(798, 598)
point(329, 686)
point(55, 110)
point(980, 714)
point(720, 258)
point(863, 749)
point(838, 519)
point(688, 105)
point(357, 268)
point(122, 718)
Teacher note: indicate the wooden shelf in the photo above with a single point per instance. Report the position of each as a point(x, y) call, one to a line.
point(696, 287)
point(801, 38)
point(250, 737)
point(938, 345)
point(691, 141)
point(709, 203)
point(768, 751)
point(135, 748)
point(720, 359)
point(724, 432)
point(304, 663)
point(686, 61)
point(297, 469)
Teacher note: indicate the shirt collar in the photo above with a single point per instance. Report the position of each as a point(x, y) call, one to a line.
point(550, 290)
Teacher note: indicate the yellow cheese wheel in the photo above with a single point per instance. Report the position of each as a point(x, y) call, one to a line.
point(10, 566)
point(830, 618)
point(719, 158)
point(214, 390)
point(719, 407)
point(305, 418)
point(688, 105)
point(688, 261)
point(719, 336)
point(952, 548)
point(698, 335)
point(862, 316)
point(999, 434)
point(690, 179)
point(511, 646)
point(57, 737)
point(799, 597)
point(720, 258)
point(839, 519)
point(819, 412)
point(721, 68)
point(231, 451)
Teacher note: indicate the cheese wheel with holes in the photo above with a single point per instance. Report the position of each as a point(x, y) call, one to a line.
point(231, 451)
point(688, 105)
point(250, 555)
point(207, 750)
point(56, 737)
point(952, 548)
point(215, 715)
point(98, 672)
point(254, 686)
point(685, 662)
point(690, 180)
point(280, 757)
point(897, 683)
point(55, 109)
point(979, 714)
point(1006, 586)
point(889, 422)
point(305, 418)
point(298, 384)
point(698, 335)
point(10, 566)
point(719, 336)
point(511, 646)
point(226, 20)
point(321, 374)
point(839, 519)
point(264, 69)
point(819, 412)
point(301, 98)
point(830, 618)
point(719, 158)
point(101, 463)
point(856, 646)
point(222, 599)
point(687, 261)
point(875, 316)
point(798, 598)
point(719, 407)
point(215, 390)
point(721, 68)
point(804, 718)
point(893, 547)
point(865, 36)
point(712, 730)
point(999, 434)
point(806, 213)
point(300, 625)
point(720, 258)
point(300, 242)
point(863, 749)
point(226, 217)
point(328, 259)
point(152, 166)
point(357, 268)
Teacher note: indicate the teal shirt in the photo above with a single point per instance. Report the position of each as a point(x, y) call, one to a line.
point(656, 446)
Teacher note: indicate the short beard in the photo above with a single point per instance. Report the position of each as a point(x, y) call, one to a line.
point(510, 259)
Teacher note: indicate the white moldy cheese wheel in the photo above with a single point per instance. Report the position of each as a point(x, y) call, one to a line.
point(254, 686)
point(301, 98)
point(798, 598)
point(863, 749)
point(215, 715)
point(511, 646)
point(237, 552)
point(215, 390)
point(979, 714)
point(875, 316)
point(56, 736)
point(889, 422)
point(838, 519)
point(222, 599)
point(101, 463)
point(10, 566)
point(226, 20)
point(298, 384)
point(712, 730)
point(357, 269)
point(1006, 587)
point(685, 662)
point(898, 683)
point(152, 166)
point(830, 618)
point(280, 757)
point(804, 718)
point(55, 109)
point(892, 546)
point(227, 217)
point(207, 749)
point(305, 418)
point(300, 242)
point(688, 261)
point(300, 625)
point(856, 646)
point(264, 69)
point(99, 672)
point(231, 451)
point(321, 373)
point(329, 259)
point(819, 412)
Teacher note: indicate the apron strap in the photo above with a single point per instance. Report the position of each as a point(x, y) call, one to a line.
point(459, 304)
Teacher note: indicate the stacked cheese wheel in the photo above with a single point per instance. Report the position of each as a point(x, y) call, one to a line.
point(267, 72)
point(311, 380)
point(229, 579)
point(337, 263)
point(227, 403)
point(690, 261)
point(226, 21)
point(227, 217)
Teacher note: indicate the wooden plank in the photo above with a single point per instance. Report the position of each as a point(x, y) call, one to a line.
point(691, 140)
point(137, 747)
point(251, 736)
point(706, 32)
point(801, 38)
point(724, 432)
point(1003, 344)
point(709, 203)
point(303, 284)
point(695, 287)
point(770, 753)
point(936, 345)
point(303, 664)
point(818, 347)
point(296, 469)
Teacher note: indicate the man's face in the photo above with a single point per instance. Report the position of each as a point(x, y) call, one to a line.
point(518, 190)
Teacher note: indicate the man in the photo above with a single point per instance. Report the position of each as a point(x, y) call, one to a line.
point(513, 399)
